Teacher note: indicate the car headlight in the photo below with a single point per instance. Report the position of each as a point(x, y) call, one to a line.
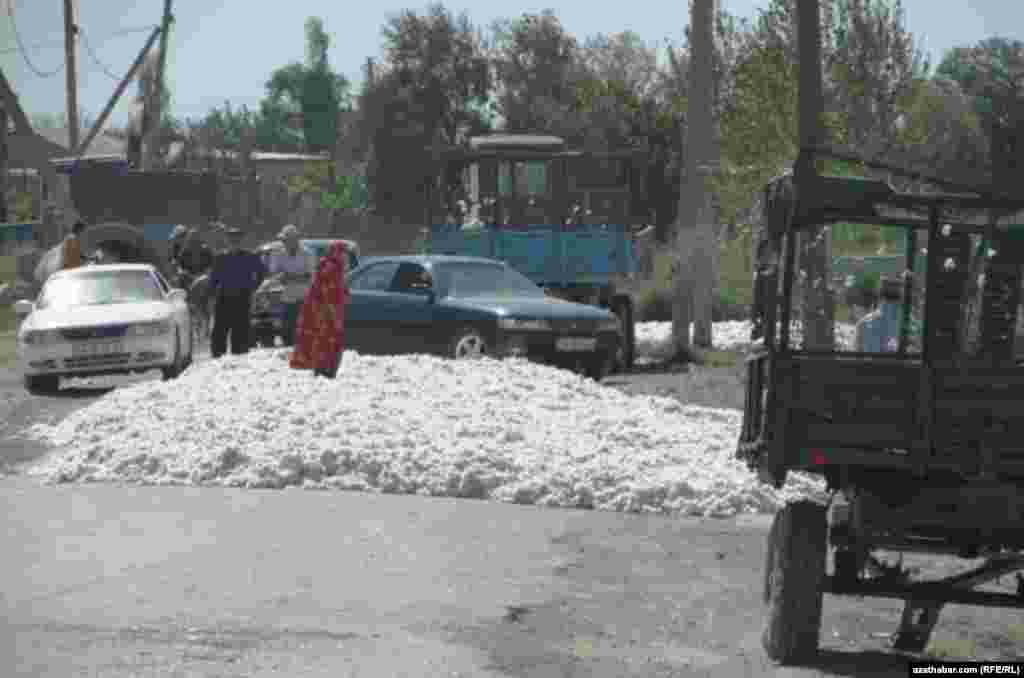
point(151, 329)
point(523, 324)
point(609, 325)
point(40, 337)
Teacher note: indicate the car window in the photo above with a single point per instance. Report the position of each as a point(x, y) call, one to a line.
point(411, 277)
point(481, 279)
point(375, 277)
point(97, 288)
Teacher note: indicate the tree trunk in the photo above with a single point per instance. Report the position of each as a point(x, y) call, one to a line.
point(696, 241)
point(3, 165)
point(816, 242)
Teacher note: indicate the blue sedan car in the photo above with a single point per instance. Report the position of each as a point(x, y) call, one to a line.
point(465, 307)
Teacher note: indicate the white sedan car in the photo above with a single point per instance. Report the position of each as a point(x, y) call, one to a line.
point(109, 319)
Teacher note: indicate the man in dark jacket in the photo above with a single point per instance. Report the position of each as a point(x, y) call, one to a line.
point(236, 275)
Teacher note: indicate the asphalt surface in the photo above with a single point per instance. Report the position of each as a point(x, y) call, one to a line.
point(109, 580)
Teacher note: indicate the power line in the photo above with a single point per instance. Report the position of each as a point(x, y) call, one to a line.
point(60, 43)
point(96, 59)
point(23, 51)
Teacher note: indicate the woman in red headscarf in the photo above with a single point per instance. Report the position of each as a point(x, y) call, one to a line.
point(320, 332)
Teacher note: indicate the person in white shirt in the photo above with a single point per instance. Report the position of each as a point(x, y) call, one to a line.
point(294, 270)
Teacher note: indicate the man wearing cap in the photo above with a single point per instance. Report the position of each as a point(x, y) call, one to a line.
point(293, 269)
point(236, 275)
point(879, 331)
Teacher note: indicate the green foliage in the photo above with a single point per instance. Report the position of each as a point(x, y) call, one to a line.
point(435, 89)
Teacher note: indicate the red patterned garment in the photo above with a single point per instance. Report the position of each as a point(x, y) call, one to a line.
point(320, 332)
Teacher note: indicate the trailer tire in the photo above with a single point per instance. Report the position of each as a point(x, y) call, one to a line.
point(794, 581)
point(622, 307)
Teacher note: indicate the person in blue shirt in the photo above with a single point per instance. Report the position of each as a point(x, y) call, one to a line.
point(236, 275)
point(879, 331)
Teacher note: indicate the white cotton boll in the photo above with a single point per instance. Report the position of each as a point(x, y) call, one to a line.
point(507, 430)
point(947, 230)
point(991, 253)
point(949, 265)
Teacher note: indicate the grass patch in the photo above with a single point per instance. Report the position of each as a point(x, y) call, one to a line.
point(721, 359)
point(1016, 633)
point(952, 648)
point(7, 335)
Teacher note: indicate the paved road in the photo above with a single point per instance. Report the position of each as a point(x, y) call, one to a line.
point(106, 580)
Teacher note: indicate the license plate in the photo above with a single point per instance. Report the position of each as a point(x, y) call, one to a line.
point(96, 348)
point(576, 344)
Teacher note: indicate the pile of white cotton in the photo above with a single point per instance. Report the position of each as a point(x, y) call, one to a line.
point(504, 430)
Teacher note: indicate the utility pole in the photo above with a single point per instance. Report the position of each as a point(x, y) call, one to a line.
point(3, 164)
point(70, 33)
point(118, 91)
point(816, 242)
point(153, 112)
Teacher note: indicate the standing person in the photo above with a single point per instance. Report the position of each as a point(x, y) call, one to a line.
point(176, 241)
point(879, 331)
point(321, 326)
point(235, 277)
point(71, 251)
point(294, 270)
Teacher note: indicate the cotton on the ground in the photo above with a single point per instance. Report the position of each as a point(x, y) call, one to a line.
point(654, 339)
point(505, 430)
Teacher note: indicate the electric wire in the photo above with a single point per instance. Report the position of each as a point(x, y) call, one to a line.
point(96, 60)
point(24, 52)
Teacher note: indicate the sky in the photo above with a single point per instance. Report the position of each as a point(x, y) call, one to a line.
point(224, 50)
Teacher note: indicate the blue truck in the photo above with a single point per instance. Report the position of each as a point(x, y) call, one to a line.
point(568, 220)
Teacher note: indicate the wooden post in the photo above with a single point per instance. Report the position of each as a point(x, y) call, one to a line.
point(154, 107)
point(818, 305)
point(121, 86)
point(70, 33)
point(3, 165)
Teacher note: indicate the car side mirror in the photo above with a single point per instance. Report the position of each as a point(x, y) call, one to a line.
point(22, 308)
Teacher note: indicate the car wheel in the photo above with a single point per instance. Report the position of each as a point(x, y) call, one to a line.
point(598, 367)
point(468, 343)
point(625, 357)
point(174, 370)
point(44, 384)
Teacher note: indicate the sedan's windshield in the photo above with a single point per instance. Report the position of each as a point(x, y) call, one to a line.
point(95, 288)
point(484, 280)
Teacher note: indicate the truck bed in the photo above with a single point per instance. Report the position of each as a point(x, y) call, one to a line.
point(549, 255)
point(893, 412)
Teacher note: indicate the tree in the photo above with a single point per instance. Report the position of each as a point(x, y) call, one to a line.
point(992, 75)
point(695, 228)
point(310, 88)
point(432, 90)
point(538, 67)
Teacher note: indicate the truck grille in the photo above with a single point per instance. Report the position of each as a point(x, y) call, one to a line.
point(102, 332)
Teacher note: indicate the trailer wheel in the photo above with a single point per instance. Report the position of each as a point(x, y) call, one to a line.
point(622, 307)
point(794, 581)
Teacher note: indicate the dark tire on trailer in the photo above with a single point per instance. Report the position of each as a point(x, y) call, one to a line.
point(622, 307)
point(468, 343)
point(794, 582)
point(43, 384)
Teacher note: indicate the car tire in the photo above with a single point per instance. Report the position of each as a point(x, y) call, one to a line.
point(598, 367)
point(468, 343)
point(43, 384)
point(174, 370)
point(622, 307)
